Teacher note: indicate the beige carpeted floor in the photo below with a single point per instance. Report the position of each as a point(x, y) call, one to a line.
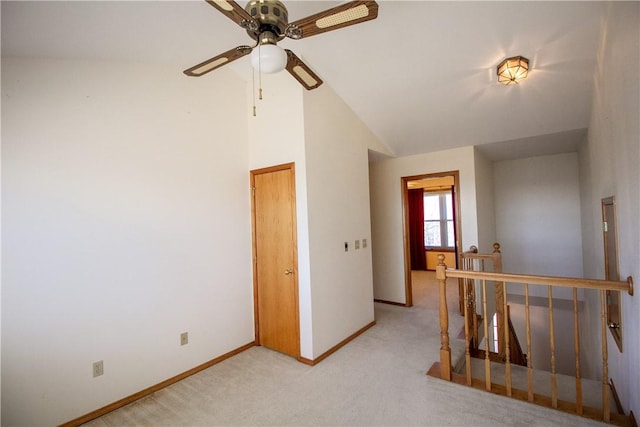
point(377, 379)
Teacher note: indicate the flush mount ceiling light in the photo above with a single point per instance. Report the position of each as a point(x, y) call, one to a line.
point(512, 70)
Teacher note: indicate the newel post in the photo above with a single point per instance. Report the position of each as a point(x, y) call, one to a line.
point(445, 350)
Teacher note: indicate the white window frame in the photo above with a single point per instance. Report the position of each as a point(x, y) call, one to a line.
point(444, 240)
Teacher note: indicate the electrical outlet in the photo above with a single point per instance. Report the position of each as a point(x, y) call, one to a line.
point(364, 243)
point(357, 244)
point(98, 368)
point(346, 246)
point(184, 338)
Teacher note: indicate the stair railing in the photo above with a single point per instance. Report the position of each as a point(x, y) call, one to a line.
point(472, 260)
point(445, 367)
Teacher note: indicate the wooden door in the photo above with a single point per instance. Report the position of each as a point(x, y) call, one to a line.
point(275, 259)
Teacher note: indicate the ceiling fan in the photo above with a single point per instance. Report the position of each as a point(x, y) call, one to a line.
point(267, 22)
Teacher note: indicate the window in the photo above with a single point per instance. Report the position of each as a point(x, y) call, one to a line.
point(438, 220)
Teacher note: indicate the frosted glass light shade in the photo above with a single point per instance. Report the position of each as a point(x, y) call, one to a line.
point(268, 58)
point(513, 70)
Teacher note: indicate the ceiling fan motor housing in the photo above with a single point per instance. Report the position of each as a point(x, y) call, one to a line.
point(271, 15)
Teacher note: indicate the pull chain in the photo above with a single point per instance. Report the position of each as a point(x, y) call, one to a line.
point(253, 90)
point(260, 71)
point(253, 81)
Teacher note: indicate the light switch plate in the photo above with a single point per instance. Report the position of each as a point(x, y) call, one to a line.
point(98, 368)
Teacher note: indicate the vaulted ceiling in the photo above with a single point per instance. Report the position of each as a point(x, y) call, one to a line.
point(421, 76)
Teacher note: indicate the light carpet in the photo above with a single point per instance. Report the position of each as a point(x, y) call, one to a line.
point(378, 379)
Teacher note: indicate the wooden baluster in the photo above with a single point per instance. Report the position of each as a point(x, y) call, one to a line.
point(467, 335)
point(605, 361)
point(473, 312)
point(528, 326)
point(552, 345)
point(576, 344)
point(460, 292)
point(503, 326)
point(470, 307)
point(471, 291)
point(465, 266)
point(496, 259)
point(507, 351)
point(445, 350)
point(473, 309)
point(487, 361)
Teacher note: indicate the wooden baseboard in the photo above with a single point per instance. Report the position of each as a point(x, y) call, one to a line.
point(616, 398)
point(147, 391)
point(335, 347)
point(390, 302)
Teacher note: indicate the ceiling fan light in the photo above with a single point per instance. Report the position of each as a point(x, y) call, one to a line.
point(268, 58)
point(513, 70)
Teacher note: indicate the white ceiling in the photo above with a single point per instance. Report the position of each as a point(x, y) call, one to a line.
point(421, 76)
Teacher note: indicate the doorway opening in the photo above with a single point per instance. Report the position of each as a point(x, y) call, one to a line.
point(431, 222)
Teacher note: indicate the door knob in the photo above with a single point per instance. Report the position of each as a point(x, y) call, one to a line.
point(288, 271)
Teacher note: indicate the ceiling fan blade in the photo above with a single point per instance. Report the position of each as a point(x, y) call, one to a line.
point(341, 16)
point(301, 72)
point(218, 61)
point(235, 12)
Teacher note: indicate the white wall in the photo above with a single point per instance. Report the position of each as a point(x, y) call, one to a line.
point(337, 145)
point(126, 221)
point(386, 212)
point(609, 167)
point(537, 206)
point(276, 136)
point(485, 201)
point(329, 145)
point(486, 218)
